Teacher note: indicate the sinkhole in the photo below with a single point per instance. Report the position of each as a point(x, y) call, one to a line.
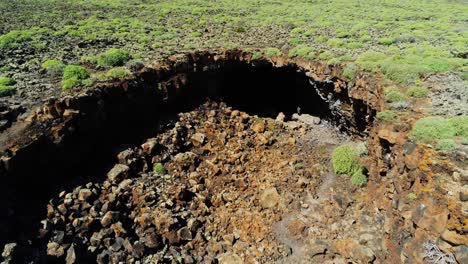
point(74, 140)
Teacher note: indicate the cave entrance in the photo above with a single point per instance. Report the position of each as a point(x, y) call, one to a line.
point(126, 113)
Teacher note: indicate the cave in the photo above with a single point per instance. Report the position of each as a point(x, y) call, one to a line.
point(77, 146)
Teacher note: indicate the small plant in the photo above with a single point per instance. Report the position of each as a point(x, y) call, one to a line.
point(345, 159)
point(70, 83)
point(75, 71)
point(417, 92)
point(272, 52)
point(433, 128)
point(460, 124)
point(239, 29)
point(386, 116)
point(326, 55)
point(302, 51)
point(53, 67)
point(5, 86)
point(358, 178)
point(386, 41)
point(5, 81)
point(159, 169)
point(113, 57)
point(117, 73)
point(412, 196)
point(393, 95)
point(350, 72)
point(257, 56)
point(446, 145)
point(14, 38)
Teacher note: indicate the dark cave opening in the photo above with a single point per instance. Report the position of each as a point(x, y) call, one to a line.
point(109, 118)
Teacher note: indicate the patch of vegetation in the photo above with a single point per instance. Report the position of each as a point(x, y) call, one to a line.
point(386, 41)
point(272, 52)
point(345, 160)
point(386, 116)
point(159, 169)
point(393, 95)
point(350, 72)
point(13, 38)
point(460, 124)
point(117, 73)
point(75, 71)
point(73, 75)
point(446, 145)
point(417, 92)
point(433, 128)
point(53, 67)
point(358, 178)
point(302, 51)
point(70, 83)
point(257, 56)
point(6, 86)
point(113, 57)
point(5, 81)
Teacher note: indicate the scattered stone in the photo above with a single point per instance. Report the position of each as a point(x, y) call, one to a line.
point(269, 198)
point(258, 127)
point(280, 117)
point(198, 139)
point(9, 250)
point(118, 172)
point(71, 255)
point(84, 194)
point(54, 249)
point(453, 238)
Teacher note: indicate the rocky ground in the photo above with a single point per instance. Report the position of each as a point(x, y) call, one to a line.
point(232, 188)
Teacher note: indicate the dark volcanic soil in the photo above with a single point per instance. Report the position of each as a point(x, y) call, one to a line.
point(234, 189)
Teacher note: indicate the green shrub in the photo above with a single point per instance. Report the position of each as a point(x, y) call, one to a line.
point(326, 55)
point(393, 95)
point(460, 124)
point(70, 83)
point(158, 168)
point(345, 160)
point(113, 57)
point(354, 45)
point(53, 66)
point(358, 178)
point(446, 145)
point(302, 51)
point(386, 115)
point(257, 56)
point(117, 73)
point(386, 41)
point(350, 72)
point(272, 52)
point(417, 92)
point(5, 81)
point(75, 72)
point(239, 29)
point(432, 128)
point(14, 38)
point(370, 60)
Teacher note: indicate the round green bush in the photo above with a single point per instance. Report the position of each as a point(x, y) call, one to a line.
point(446, 145)
point(345, 159)
point(70, 83)
point(460, 124)
point(417, 92)
point(159, 168)
point(5, 81)
point(358, 178)
point(75, 71)
point(386, 116)
point(433, 128)
point(53, 66)
point(113, 57)
point(393, 95)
